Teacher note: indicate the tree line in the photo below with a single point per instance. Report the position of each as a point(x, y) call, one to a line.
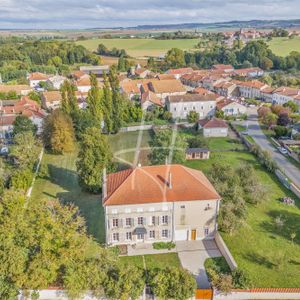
point(17, 58)
point(254, 54)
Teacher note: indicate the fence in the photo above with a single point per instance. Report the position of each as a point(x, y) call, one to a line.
point(260, 293)
point(225, 251)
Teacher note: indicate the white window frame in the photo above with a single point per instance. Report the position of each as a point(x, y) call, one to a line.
point(116, 234)
point(130, 222)
point(138, 221)
point(163, 235)
point(130, 236)
point(152, 234)
point(165, 220)
point(115, 223)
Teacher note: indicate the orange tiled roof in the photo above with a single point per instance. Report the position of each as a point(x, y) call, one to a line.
point(151, 185)
point(193, 98)
point(18, 88)
point(166, 86)
point(38, 76)
point(51, 96)
point(150, 96)
point(253, 84)
point(213, 123)
point(165, 76)
point(180, 71)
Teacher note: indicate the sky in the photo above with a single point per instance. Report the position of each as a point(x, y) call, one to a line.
point(80, 14)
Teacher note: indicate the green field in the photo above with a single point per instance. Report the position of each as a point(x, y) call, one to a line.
point(283, 46)
point(264, 251)
point(141, 47)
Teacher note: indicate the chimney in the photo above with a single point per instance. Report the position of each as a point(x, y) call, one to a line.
point(170, 180)
point(104, 184)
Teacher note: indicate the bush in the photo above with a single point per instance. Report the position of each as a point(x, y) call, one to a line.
point(281, 131)
point(163, 245)
point(21, 180)
point(240, 279)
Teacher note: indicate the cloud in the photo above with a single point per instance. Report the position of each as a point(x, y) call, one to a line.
point(60, 14)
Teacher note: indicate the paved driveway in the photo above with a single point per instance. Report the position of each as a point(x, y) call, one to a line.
point(192, 256)
point(254, 130)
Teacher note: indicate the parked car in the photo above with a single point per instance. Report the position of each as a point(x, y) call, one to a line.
point(283, 151)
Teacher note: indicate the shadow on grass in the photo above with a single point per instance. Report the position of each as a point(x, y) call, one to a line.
point(90, 205)
point(259, 259)
point(290, 225)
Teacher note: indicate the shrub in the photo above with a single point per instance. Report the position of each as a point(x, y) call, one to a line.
point(280, 131)
point(21, 179)
point(240, 279)
point(163, 245)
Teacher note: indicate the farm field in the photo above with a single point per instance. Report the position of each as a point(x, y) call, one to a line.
point(263, 250)
point(283, 46)
point(141, 47)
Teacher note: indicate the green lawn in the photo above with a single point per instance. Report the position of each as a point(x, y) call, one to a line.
point(141, 47)
point(160, 261)
point(283, 46)
point(62, 184)
point(127, 143)
point(263, 250)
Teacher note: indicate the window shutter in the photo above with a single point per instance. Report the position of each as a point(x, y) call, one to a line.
point(132, 221)
point(120, 223)
point(158, 220)
point(144, 221)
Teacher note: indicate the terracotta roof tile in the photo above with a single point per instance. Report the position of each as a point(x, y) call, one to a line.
point(166, 86)
point(213, 123)
point(151, 185)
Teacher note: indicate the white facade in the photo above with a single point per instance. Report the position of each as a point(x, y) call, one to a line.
point(181, 110)
point(234, 109)
point(215, 132)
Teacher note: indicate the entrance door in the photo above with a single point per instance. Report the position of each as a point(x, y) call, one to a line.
point(194, 234)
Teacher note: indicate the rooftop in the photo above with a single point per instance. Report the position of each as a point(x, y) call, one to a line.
point(151, 184)
point(193, 98)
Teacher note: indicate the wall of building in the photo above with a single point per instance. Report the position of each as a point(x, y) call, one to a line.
point(215, 132)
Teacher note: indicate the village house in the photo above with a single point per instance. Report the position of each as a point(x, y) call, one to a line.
point(181, 106)
point(251, 89)
point(267, 94)
point(193, 80)
point(25, 107)
point(159, 203)
point(231, 108)
point(165, 88)
point(179, 72)
point(130, 89)
point(19, 89)
point(149, 101)
point(213, 127)
point(139, 71)
point(51, 99)
point(284, 94)
point(196, 153)
point(226, 88)
point(223, 68)
point(249, 72)
point(165, 77)
point(96, 70)
point(57, 81)
point(37, 77)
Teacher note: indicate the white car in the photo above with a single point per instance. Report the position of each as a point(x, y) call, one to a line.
point(283, 150)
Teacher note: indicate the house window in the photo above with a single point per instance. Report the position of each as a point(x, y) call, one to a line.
point(174, 108)
point(165, 219)
point(128, 222)
point(116, 237)
point(128, 236)
point(140, 221)
point(152, 234)
point(140, 236)
point(127, 210)
point(152, 220)
point(184, 108)
point(165, 233)
point(114, 211)
point(182, 206)
point(139, 209)
point(206, 231)
point(115, 223)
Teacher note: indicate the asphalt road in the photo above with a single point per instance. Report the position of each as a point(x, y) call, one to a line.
point(259, 137)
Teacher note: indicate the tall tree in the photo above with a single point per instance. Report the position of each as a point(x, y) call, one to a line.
point(93, 157)
point(175, 58)
point(58, 132)
point(117, 100)
point(22, 124)
point(94, 99)
point(69, 103)
point(107, 105)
